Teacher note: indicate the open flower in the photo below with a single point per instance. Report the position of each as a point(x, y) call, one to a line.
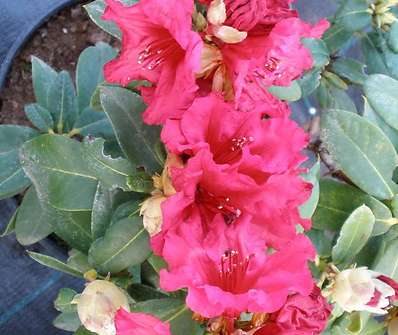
point(158, 45)
point(98, 304)
point(139, 324)
point(361, 289)
point(301, 315)
point(230, 271)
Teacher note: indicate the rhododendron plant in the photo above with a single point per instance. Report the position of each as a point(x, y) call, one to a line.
point(186, 189)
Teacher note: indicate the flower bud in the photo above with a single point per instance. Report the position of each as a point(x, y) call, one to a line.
point(98, 304)
point(216, 14)
point(152, 213)
point(229, 34)
point(363, 290)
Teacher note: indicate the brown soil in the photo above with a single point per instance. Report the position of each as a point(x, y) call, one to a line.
point(58, 42)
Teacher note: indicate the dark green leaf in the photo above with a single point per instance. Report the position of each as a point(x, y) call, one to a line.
point(40, 117)
point(361, 151)
point(92, 123)
point(83, 331)
point(78, 261)
point(337, 201)
point(124, 109)
point(374, 57)
point(61, 176)
point(32, 222)
point(309, 82)
point(353, 15)
point(140, 182)
point(336, 36)
point(125, 243)
point(62, 102)
point(287, 93)
point(55, 264)
point(322, 241)
point(43, 77)
point(339, 99)
point(335, 80)
point(354, 234)
point(102, 212)
point(112, 172)
point(157, 263)
point(350, 69)
point(12, 178)
point(141, 292)
point(64, 299)
point(89, 71)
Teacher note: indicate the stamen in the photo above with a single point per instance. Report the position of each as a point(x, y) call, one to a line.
point(218, 204)
point(155, 53)
point(272, 64)
point(233, 268)
point(239, 143)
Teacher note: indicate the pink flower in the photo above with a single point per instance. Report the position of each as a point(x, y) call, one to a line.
point(230, 271)
point(286, 58)
point(254, 145)
point(139, 324)
point(301, 314)
point(158, 45)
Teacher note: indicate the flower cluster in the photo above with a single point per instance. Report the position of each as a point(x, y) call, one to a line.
point(230, 192)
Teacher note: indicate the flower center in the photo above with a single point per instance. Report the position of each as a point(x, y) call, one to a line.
point(272, 64)
point(230, 152)
point(233, 268)
point(156, 53)
point(218, 204)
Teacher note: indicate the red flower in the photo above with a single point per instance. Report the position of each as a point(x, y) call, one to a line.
point(301, 315)
point(158, 45)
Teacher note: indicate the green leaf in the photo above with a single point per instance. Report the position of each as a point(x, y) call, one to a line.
point(124, 109)
point(102, 212)
point(68, 321)
point(84, 331)
point(92, 123)
point(78, 261)
point(62, 102)
point(388, 263)
point(361, 151)
point(89, 71)
point(10, 228)
point(43, 77)
point(309, 82)
point(40, 117)
point(170, 310)
point(125, 243)
point(140, 182)
point(112, 172)
point(354, 234)
point(319, 51)
point(61, 176)
point(64, 299)
point(287, 93)
point(337, 201)
point(377, 120)
point(322, 241)
point(95, 10)
point(393, 37)
point(339, 99)
point(73, 227)
point(313, 175)
point(353, 15)
point(12, 178)
point(141, 292)
point(55, 264)
point(350, 69)
point(32, 223)
point(336, 36)
point(374, 57)
point(157, 263)
point(382, 94)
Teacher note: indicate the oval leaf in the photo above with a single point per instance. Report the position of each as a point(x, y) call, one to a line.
point(125, 243)
point(353, 235)
point(361, 151)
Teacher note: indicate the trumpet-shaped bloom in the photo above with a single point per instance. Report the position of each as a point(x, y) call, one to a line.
point(230, 271)
point(158, 45)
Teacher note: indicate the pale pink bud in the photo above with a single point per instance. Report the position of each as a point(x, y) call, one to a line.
point(229, 34)
point(216, 13)
point(98, 304)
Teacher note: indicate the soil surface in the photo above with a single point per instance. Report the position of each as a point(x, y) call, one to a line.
point(58, 42)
